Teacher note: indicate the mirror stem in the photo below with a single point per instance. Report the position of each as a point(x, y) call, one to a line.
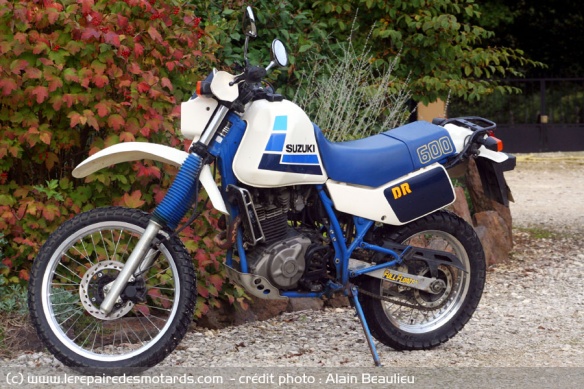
point(245, 50)
point(271, 65)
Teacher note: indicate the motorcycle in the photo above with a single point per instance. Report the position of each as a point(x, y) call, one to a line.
point(115, 288)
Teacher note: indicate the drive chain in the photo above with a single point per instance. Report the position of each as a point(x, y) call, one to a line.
point(397, 302)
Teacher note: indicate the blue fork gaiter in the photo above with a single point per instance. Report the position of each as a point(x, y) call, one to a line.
point(181, 194)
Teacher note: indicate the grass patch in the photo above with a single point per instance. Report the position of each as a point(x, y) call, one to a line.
point(16, 332)
point(538, 232)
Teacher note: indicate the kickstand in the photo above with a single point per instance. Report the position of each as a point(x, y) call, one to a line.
point(355, 296)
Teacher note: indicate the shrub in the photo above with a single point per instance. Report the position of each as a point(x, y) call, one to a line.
point(76, 77)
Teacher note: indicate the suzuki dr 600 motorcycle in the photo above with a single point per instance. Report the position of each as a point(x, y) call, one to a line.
point(114, 288)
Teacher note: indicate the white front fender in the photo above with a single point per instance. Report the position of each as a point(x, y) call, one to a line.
point(135, 151)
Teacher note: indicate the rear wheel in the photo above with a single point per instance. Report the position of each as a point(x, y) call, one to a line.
point(72, 274)
point(416, 319)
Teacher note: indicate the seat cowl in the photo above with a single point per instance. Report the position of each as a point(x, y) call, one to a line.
point(426, 142)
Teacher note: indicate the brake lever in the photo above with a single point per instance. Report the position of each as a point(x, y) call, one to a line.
point(237, 79)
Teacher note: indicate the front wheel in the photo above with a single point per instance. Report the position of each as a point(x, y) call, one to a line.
point(410, 319)
point(70, 279)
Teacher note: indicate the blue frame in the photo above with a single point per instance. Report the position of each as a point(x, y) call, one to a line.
point(225, 151)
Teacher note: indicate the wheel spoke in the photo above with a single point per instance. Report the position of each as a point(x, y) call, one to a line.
point(70, 271)
point(104, 246)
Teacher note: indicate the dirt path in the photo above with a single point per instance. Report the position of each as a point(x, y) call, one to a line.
point(549, 191)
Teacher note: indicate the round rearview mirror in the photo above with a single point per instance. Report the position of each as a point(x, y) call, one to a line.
point(249, 23)
point(279, 54)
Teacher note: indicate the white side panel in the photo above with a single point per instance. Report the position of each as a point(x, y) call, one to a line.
point(362, 201)
point(278, 148)
point(194, 116)
point(459, 135)
point(369, 203)
point(135, 151)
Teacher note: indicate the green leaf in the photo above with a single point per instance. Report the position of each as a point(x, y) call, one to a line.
point(304, 48)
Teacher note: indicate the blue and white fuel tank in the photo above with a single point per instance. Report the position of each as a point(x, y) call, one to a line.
point(278, 148)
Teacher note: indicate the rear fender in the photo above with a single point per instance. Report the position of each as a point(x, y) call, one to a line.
point(135, 151)
point(491, 165)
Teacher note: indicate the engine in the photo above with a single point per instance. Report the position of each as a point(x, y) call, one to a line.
point(289, 256)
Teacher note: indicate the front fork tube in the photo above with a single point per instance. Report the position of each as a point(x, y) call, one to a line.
point(130, 267)
point(179, 198)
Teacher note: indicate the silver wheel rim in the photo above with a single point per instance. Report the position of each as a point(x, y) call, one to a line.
point(107, 340)
point(421, 321)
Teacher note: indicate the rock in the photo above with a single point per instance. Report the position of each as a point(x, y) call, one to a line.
point(479, 200)
point(242, 316)
point(505, 213)
point(460, 205)
point(303, 304)
point(217, 318)
point(337, 301)
point(227, 315)
point(497, 239)
point(494, 235)
point(266, 309)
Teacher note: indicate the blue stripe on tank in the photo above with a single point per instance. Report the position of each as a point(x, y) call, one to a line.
point(272, 162)
point(281, 123)
point(300, 158)
point(276, 142)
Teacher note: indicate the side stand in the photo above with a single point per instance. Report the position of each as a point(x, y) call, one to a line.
point(355, 295)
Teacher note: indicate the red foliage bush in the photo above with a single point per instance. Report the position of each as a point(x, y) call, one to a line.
point(78, 76)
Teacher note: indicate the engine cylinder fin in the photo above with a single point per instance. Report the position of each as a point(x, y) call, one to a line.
point(275, 228)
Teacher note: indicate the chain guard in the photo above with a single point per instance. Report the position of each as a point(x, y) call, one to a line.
point(397, 302)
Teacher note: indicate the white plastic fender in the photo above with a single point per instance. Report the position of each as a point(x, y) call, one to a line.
point(135, 151)
point(492, 155)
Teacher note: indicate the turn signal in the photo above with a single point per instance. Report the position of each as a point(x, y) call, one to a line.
point(203, 88)
point(493, 143)
point(499, 143)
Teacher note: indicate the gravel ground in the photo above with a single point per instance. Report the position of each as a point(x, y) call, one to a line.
point(531, 313)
